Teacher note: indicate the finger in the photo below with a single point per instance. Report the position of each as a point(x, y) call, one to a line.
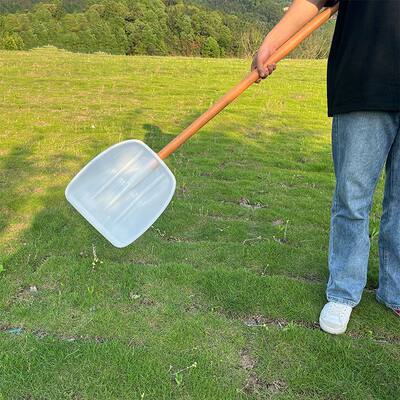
point(270, 69)
point(262, 72)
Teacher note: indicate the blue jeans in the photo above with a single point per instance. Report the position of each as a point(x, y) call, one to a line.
point(362, 142)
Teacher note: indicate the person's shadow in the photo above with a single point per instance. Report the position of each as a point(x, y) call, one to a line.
point(155, 138)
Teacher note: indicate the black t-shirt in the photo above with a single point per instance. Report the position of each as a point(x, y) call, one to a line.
point(364, 61)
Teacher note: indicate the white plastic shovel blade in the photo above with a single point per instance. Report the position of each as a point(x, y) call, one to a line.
point(122, 191)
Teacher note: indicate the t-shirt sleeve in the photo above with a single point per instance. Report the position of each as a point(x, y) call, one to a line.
point(330, 3)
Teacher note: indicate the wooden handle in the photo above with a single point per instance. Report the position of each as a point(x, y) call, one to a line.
point(251, 78)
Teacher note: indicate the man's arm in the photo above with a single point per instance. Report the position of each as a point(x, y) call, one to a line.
point(299, 13)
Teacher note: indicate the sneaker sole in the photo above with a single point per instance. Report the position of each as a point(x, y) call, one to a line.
point(333, 331)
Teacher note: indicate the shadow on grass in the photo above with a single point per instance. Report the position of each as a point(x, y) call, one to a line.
point(155, 138)
point(16, 169)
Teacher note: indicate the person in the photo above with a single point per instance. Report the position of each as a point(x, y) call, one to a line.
point(364, 100)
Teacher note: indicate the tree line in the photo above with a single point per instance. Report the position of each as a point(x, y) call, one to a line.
point(152, 27)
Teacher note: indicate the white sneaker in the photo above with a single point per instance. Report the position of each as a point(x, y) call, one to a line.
point(334, 318)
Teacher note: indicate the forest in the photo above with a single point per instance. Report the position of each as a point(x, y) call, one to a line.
point(207, 28)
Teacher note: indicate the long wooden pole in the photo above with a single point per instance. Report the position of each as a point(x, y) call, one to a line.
point(251, 78)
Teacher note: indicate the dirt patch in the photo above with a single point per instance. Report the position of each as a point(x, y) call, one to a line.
point(5, 327)
point(281, 323)
point(139, 299)
point(25, 294)
point(259, 320)
point(246, 360)
point(146, 301)
point(180, 240)
point(254, 383)
point(182, 191)
point(276, 386)
point(246, 203)
point(193, 308)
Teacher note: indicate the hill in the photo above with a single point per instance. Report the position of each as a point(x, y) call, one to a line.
point(205, 28)
point(12, 6)
point(265, 11)
point(259, 9)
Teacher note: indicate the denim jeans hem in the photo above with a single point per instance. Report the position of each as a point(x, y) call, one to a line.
point(350, 303)
point(388, 305)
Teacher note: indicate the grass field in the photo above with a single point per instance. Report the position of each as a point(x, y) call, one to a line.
point(220, 298)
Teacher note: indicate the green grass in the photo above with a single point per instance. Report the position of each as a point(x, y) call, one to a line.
point(226, 287)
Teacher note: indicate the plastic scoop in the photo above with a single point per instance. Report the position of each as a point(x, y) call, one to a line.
point(124, 190)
